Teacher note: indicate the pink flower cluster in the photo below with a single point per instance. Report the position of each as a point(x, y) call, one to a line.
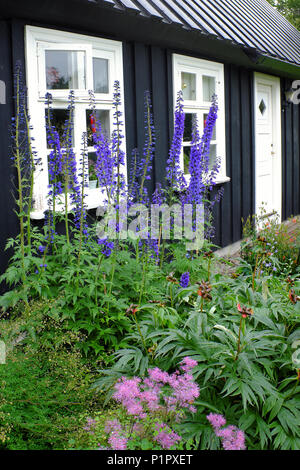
point(90, 425)
point(139, 397)
point(117, 439)
point(165, 436)
point(232, 437)
point(159, 393)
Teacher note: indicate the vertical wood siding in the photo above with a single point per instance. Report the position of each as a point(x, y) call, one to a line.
point(291, 155)
point(8, 221)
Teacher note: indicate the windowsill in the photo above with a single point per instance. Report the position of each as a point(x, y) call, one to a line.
point(223, 179)
point(93, 199)
point(220, 179)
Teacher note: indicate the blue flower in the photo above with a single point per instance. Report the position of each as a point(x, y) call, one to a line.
point(106, 247)
point(185, 280)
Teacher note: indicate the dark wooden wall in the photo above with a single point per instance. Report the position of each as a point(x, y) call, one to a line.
point(149, 67)
point(8, 220)
point(291, 155)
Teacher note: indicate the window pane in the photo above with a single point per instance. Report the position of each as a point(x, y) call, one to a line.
point(100, 75)
point(65, 70)
point(188, 85)
point(93, 180)
point(58, 120)
point(188, 126)
point(214, 135)
point(102, 117)
point(186, 159)
point(212, 155)
point(209, 87)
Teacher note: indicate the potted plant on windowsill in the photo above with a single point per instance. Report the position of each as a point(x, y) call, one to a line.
point(93, 180)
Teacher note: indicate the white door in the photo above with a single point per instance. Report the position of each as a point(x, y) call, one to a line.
point(267, 144)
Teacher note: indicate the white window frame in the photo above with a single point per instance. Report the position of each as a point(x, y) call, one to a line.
point(37, 40)
point(201, 68)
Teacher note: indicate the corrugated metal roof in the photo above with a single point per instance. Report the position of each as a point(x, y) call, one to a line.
point(251, 24)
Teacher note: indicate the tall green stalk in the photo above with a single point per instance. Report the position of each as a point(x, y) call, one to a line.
point(32, 169)
point(82, 201)
point(18, 165)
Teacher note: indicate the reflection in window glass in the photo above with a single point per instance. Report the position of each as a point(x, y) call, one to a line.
point(92, 118)
point(93, 180)
point(214, 135)
point(209, 87)
point(58, 120)
point(188, 85)
point(188, 126)
point(65, 70)
point(100, 75)
point(186, 159)
point(212, 155)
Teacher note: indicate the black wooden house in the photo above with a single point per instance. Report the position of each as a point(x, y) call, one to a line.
point(243, 50)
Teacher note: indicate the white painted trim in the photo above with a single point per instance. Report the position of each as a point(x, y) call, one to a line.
point(37, 39)
point(274, 82)
point(202, 67)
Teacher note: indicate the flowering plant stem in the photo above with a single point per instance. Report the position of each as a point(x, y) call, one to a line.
point(143, 276)
point(20, 180)
point(81, 204)
point(96, 279)
point(239, 340)
point(148, 148)
point(111, 281)
point(29, 204)
point(140, 333)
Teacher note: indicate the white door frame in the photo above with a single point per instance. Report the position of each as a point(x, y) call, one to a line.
point(274, 82)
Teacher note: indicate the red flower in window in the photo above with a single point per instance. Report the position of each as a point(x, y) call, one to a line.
point(93, 123)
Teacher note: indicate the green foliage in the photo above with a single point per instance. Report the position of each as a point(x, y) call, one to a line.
point(271, 248)
point(290, 9)
point(44, 385)
point(246, 369)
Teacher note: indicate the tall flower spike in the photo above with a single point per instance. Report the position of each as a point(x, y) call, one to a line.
point(145, 164)
point(203, 174)
point(104, 167)
point(174, 173)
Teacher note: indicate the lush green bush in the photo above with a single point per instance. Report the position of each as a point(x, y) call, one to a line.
point(273, 248)
point(44, 385)
point(245, 341)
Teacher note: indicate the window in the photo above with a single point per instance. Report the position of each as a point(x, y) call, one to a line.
point(57, 62)
point(199, 80)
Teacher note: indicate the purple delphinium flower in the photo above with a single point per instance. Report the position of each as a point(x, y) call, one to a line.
point(116, 143)
point(174, 174)
point(185, 280)
point(133, 186)
point(56, 155)
point(106, 247)
point(70, 166)
point(202, 176)
point(145, 162)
